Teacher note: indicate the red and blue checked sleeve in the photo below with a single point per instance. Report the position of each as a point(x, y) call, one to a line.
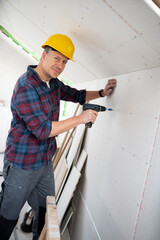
point(29, 108)
point(72, 94)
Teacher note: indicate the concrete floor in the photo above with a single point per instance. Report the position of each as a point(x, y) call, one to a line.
point(18, 234)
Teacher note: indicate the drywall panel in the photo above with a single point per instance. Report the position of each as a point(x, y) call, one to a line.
point(145, 21)
point(67, 193)
point(113, 192)
point(111, 37)
point(142, 58)
point(84, 228)
point(21, 26)
point(119, 147)
point(149, 212)
point(13, 63)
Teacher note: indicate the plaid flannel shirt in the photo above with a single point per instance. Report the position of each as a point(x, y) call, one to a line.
point(34, 106)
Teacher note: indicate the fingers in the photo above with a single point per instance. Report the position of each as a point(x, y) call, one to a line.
point(89, 116)
point(109, 91)
point(111, 84)
point(112, 81)
point(92, 115)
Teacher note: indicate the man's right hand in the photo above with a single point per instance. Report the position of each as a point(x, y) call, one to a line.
point(89, 116)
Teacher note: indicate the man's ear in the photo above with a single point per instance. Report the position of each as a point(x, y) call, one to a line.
point(44, 55)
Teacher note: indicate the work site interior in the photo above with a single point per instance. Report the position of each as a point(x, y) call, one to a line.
point(107, 176)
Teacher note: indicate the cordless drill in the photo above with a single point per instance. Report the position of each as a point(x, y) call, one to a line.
point(96, 108)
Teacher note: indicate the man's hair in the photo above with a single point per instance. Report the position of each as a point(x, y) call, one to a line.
point(47, 49)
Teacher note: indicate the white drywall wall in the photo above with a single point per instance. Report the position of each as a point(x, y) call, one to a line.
point(13, 63)
point(149, 218)
point(111, 37)
point(119, 196)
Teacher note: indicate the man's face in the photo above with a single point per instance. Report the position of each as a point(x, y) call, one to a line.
point(53, 64)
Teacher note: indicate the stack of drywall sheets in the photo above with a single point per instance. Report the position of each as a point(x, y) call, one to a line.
point(68, 169)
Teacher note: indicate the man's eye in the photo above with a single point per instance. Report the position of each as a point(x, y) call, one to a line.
point(56, 58)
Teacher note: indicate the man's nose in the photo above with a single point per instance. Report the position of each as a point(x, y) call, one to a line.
point(60, 65)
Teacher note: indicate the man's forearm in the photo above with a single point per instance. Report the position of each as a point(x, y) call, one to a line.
point(90, 95)
point(107, 91)
point(59, 127)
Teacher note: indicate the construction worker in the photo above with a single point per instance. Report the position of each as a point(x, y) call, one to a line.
point(31, 144)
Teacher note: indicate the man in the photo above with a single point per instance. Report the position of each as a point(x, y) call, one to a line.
point(28, 169)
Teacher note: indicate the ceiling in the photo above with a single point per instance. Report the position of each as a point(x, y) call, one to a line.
point(111, 37)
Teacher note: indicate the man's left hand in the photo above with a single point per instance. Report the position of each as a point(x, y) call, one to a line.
point(111, 84)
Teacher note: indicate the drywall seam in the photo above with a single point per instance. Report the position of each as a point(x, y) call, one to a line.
point(122, 18)
point(121, 74)
point(90, 216)
point(87, 69)
point(146, 179)
point(26, 17)
point(129, 25)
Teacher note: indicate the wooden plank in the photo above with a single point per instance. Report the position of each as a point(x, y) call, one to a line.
point(157, 2)
point(64, 143)
point(72, 153)
point(67, 142)
point(60, 174)
point(61, 169)
point(51, 229)
point(43, 233)
point(2, 103)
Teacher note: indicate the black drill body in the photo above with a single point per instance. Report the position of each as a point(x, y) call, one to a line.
point(95, 107)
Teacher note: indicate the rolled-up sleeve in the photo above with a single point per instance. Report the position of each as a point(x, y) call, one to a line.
point(29, 108)
point(72, 94)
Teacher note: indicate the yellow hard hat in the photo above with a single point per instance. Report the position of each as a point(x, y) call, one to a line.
point(62, 44)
